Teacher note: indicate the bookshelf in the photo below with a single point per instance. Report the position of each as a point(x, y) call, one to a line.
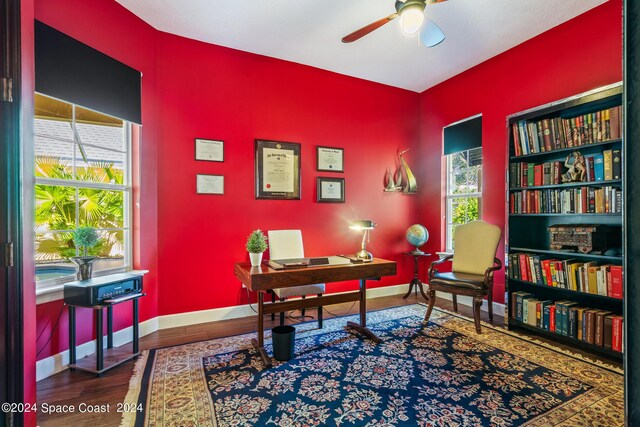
point(543, 278)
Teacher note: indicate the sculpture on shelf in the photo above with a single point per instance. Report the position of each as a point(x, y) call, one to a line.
point(577, 168)
point(403, 173)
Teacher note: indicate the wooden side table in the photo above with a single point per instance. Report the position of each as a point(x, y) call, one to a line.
point(111, 357)
point(416, 280)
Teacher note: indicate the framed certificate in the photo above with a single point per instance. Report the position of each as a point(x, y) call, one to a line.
point(329, 159)
point(209, 184)
point(209, 150)
point(277, 169)
point(330, 190)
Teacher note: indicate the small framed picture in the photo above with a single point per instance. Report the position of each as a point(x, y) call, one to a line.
point(209, 184)
point(329, 159)
point(209, 150)
point(330, 190)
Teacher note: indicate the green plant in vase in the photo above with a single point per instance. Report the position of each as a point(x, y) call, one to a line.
point(256, 245)
point(85, 238)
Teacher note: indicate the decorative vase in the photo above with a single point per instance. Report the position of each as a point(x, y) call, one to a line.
point(256, 259)
point(84, 266)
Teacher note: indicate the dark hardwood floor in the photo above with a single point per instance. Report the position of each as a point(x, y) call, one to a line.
point(75, 388)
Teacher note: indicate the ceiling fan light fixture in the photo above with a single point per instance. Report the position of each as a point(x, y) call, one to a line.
point(411, 17)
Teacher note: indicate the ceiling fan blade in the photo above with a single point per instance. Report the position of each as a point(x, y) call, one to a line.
point(368, 28)
point(431, 34)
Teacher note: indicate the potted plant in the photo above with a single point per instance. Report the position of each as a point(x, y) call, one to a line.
point(85, 238)
point(256, 245)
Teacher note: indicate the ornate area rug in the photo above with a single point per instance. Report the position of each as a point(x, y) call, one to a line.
point(440, 374)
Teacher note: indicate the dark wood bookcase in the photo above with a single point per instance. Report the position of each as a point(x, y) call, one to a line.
point(528, 232)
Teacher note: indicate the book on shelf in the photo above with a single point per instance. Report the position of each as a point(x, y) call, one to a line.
point(532, 312)
point(616, 333)
point(555, 133)
point(598, 167)
point(599, 334)
point(607, 330)
point(594, 326)
point(607, 163)
point(580, 200)
point(616, 164)
point(587, 277)
point(605, 166)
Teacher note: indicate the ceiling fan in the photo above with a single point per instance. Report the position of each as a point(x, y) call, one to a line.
point(412, 18)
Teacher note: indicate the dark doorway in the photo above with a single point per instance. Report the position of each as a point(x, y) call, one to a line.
point(11, 315)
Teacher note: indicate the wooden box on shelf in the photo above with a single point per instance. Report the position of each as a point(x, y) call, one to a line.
point(584, 237)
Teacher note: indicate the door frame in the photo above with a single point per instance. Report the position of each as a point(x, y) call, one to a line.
point(11, 288)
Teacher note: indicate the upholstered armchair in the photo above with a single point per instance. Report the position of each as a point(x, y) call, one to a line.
point(287, 244)
point(474, 263)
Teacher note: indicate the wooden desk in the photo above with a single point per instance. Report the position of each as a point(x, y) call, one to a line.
point(262, 279)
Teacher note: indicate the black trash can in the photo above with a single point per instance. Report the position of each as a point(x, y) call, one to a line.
point(283, 338)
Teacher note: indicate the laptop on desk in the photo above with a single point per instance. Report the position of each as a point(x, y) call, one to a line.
point(280, 264)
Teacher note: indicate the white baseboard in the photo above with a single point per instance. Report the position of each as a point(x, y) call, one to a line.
point(204, 316)
point(58, 362)
point(465, 300)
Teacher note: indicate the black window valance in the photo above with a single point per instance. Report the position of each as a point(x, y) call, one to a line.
point(463, 136)
point(72, 71)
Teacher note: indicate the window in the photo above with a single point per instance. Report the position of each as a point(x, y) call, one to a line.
point(82, 170)
point(464, 189)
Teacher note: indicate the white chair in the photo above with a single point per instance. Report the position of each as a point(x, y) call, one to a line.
point(287, 244)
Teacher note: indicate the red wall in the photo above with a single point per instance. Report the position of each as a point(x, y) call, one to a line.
point(235, 96)
point(581, 54)
point(108, 27)
point(191, 89)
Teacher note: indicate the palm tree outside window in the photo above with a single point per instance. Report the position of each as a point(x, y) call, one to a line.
point(82, 172)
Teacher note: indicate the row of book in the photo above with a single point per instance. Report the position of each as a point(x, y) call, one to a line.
point(598, 327)
point(577, 200)
point(605, 166)
point(587, 277)
point(557, 132)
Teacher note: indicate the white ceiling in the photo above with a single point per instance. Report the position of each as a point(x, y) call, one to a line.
point(309, 32)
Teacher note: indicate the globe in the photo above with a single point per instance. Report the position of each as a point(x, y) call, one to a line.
point(417, 235)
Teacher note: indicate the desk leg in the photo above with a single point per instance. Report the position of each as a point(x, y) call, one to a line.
point(110, 327)
point(259, 344)
point(99, 349)
point(136, 327)
point(72, 335)
point(362, 326)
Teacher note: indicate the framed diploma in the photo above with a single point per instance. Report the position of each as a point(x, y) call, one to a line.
point(277, 170)
point(209, 184)
point(330, 190)
point(209, 150)
point(329, 159)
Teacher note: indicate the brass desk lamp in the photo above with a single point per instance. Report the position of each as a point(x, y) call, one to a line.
point(366, 226)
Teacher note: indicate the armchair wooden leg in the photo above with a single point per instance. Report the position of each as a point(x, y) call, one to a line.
point(455, 302)
point(319, 314)
point(490, 302)
point(477, 303)
point(432, 301)
point(281, 314)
